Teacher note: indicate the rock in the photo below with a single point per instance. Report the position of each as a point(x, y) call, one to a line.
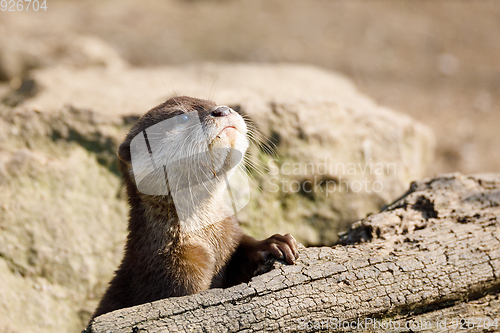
point(25, 48)
point(63, 215)
point(62, 219)
point(339, 155)
point(427, 258)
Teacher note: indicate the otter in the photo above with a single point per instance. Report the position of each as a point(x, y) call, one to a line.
point(183, 236)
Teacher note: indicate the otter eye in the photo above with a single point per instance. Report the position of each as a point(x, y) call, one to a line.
point(182, 119)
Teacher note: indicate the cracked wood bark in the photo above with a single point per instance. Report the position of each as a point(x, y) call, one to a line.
point(435, 247)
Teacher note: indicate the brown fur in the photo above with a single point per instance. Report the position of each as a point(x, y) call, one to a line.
point(161, 261)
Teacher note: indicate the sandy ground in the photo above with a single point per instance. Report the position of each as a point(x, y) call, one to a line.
point(438, 61)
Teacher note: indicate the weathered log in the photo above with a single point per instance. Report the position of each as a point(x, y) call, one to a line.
point(435, 248)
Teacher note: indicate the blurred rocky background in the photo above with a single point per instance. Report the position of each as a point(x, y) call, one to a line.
point(318, 79)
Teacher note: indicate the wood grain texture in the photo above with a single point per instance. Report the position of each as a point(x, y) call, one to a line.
point(435, 248)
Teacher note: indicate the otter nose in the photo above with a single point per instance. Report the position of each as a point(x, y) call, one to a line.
point(221, 111)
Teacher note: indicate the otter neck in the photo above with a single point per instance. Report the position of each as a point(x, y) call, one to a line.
point(165, 227)
point(153, 226)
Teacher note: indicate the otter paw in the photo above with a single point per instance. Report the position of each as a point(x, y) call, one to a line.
point(282, 247)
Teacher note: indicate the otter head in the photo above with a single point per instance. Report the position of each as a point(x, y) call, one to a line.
point(186, 149)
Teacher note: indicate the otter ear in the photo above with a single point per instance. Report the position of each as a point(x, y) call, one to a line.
point(123, 152)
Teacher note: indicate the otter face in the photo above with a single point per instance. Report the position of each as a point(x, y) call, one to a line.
point(225, 131)
point(189, 149)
